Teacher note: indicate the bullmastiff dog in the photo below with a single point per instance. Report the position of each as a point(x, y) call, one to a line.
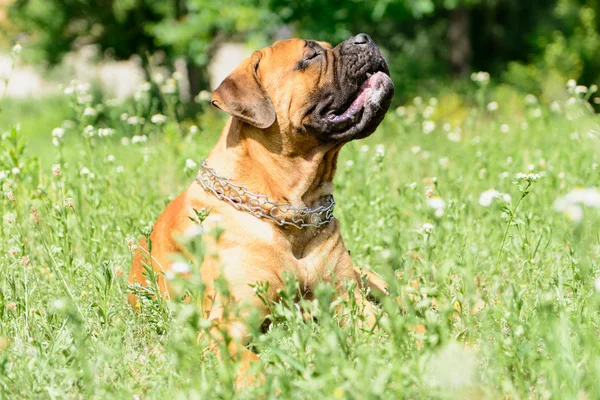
point(268, 182)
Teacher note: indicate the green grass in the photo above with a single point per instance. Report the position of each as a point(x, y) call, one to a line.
point(487, 302)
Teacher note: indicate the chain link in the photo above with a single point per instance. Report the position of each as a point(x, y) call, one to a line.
point(260, 206)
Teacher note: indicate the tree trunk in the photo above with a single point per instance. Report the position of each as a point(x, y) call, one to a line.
point(197, 77)
point(459, 41)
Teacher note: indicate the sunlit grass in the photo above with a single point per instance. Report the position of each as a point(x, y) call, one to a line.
point(494, 289)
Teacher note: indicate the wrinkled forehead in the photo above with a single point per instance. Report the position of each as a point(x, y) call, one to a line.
point(288, 52)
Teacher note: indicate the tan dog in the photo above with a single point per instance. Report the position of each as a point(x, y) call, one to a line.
point(269, 178)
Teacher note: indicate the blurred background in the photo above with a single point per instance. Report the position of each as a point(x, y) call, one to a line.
point(534, 46)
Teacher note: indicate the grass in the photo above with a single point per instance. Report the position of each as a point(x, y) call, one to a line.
point(498, 300)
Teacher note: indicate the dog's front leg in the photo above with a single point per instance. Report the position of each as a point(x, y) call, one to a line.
point(229, 334)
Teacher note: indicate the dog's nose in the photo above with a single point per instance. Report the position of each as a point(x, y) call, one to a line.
point(362, 38)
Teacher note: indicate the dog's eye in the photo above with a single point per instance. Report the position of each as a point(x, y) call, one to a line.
point(312, 53)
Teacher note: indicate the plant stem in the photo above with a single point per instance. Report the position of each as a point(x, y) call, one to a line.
point(512, 217)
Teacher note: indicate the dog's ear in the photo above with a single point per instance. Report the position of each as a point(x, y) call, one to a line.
point(242, 95)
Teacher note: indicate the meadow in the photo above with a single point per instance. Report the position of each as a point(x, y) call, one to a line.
point(479, 210)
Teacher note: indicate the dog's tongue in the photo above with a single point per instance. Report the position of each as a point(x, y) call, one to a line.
point(369, 89)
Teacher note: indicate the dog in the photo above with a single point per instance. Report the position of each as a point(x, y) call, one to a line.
point(268, 181)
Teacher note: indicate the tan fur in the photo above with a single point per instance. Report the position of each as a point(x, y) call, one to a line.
point(284, 165)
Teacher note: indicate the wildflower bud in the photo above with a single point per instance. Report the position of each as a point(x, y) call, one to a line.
point(131, 243)
point(11, 306)
point(69, 202)
point(56, 170)
point(10, 196)
point(25, 261)
point(34, 215)
point(119, 272)
point(429, 192)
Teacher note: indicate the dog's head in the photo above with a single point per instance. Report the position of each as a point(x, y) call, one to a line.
point(311, 88)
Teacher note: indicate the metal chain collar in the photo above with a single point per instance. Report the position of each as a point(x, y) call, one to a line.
point(260, 206)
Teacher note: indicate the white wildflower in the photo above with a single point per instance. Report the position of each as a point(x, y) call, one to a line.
point(492, 106)
point(486, 198)
point(504, 128)
point(158, 78)
point(90, 112)
point(380, 150)
point(455, 136)
point(193, 231)
point(531, 99)
point(480, 77)
point(58, 133)
point(442, 372)
point(204, 96)
point(145, 86)
point(17, 49)
point(139, 139)
point(428, 127)
point(428, 112)
point(415, 149)
point(574, 213)
point(589, 197)
point(84, 171)
point(571, 204)
point(180, 267)
point(438, 205)
point(427, 227)
point(89, 131)
point(193, 130)
point(190, 164)
point(170, 86)
point(104, 132)
point(158, 119)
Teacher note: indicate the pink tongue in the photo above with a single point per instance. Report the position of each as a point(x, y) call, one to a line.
point(364, 93)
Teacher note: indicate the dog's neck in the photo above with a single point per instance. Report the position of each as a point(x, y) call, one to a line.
point(298, 172)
